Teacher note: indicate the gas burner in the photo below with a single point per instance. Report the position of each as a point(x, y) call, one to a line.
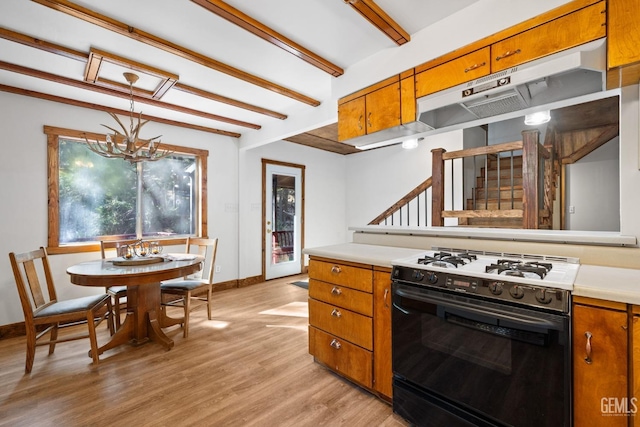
point(447, 260)
point(532, 270)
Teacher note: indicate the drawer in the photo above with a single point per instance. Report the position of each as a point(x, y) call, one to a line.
point(341, 356)
point(358, 301)
point(340, 274)
point(466, 68)
point(568, 31)
point(343, 323)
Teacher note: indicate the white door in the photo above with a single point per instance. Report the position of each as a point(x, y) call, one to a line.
point(283, 220)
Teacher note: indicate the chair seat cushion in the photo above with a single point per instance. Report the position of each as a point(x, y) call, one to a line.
point(72, 305)
point(117, 291)
point(183, 285)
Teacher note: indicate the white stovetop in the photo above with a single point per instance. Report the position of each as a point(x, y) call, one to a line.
point(561, 276)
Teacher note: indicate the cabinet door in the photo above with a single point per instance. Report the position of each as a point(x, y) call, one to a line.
point(466, 68)
point(383, 108)
point(351, 119)
point(624, 32)
point(635, 360)
point(599, 366)
point(568, 31)
point(382, 373)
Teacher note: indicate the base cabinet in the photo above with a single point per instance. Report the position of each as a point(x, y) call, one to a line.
point(350, 321)
point(600, 364)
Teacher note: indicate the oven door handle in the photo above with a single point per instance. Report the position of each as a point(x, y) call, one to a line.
point(500, 314)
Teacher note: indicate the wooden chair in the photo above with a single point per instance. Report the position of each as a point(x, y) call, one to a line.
point(117, 293)
point(193, 287)
point(41, 306)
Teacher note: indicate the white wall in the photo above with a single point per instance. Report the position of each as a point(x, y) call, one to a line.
point(593, 190)
point(23, 214)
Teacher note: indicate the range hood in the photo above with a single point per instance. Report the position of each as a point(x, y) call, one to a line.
point(517, 91)
point(549, 82)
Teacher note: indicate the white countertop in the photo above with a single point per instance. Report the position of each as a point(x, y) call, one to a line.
point(607, 283)
point(365, 254)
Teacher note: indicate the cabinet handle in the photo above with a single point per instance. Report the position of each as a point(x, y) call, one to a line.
point(588, 349)
point(336, 291)
point(385, 299)
point(336, 269)
point(335, 344)
point(474, 66)
point(369, 120)
point(508, 53)
point(360, 122)
point(336, 313)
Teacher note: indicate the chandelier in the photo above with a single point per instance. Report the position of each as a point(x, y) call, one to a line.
point(127, 145)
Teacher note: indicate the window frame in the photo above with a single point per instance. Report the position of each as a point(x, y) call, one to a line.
point(53, 164)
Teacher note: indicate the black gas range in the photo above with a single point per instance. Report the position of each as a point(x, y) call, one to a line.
point(482, 338)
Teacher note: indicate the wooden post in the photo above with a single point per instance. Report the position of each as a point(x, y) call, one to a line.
point(530, 179)
point(437, 187)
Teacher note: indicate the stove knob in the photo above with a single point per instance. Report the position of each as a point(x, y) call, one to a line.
point(543, 296)
point(418, 275)
point(516, 291)
point(432, 278)
point(496, 287)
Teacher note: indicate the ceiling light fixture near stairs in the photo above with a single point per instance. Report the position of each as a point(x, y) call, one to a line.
point(537, 118)
point(410, 144)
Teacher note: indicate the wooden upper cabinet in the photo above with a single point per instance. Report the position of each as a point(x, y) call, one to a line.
point(468, 67)
point(600, 364)
point(624, 32)
point(374, 108)
point(383, 108)
point(568, 31)
point(351, 119)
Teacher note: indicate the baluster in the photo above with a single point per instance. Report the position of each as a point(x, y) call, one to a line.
point(473, 189)
point(499, 193)
point(512, 183)
point(486, 181)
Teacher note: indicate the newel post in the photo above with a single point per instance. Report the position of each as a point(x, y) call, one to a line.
point(530, 170)
point(437, 187)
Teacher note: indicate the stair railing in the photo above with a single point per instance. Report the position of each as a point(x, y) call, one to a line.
point(410, 204)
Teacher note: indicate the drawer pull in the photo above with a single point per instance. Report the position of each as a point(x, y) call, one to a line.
point(508, 53)
point(336, 269)
point(336, 313)
point(336, 291)
point(474, 66)
point(335, 344)
point(588, 349)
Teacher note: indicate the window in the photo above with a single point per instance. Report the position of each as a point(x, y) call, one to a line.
point(92, 197)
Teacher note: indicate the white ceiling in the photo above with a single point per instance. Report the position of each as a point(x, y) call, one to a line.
point(329, 28)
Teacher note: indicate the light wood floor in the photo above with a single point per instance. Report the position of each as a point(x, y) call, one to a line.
point(249, 366)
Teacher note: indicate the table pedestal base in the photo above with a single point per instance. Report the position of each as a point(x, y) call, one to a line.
point(144, 321)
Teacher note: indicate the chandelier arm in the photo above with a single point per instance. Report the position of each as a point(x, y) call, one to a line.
point(126, 133)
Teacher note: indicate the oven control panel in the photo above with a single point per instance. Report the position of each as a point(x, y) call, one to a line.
point(538, 296)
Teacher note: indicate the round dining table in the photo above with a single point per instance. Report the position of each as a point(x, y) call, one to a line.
point(145, 318)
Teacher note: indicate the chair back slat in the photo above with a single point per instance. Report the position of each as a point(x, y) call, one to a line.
point(208, 249)
point(28, 277)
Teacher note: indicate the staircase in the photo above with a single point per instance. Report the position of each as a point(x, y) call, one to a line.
point(489, 197)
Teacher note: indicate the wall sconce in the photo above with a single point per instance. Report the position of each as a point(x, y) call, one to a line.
point(537, 118)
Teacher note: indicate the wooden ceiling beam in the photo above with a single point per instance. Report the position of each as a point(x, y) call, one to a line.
point(223, 99)
point(380, 19)
point(150, 101)
point(43, 45)
point(121, 28)
point(93, 68)
point(69, 101)
point(257, 28)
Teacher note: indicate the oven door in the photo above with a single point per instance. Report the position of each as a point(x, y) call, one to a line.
point(460, 354)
